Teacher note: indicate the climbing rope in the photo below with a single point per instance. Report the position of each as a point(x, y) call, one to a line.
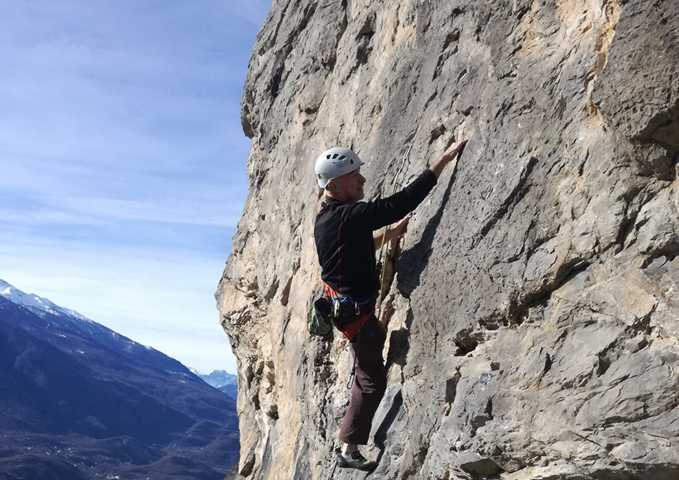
point(378, 310)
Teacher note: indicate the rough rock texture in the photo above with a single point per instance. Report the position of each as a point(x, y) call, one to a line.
point(533, 324)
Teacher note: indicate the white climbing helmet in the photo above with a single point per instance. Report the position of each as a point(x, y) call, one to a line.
point(334, 163)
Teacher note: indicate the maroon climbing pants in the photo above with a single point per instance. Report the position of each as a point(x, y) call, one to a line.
point(370, 383)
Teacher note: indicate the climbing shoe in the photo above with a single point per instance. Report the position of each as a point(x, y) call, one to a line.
point(357, 461)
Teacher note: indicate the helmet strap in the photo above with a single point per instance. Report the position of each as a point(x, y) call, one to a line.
point(344, 187)
point(345, 191)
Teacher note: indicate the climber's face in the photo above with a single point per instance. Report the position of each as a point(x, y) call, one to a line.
point(349, 187)
point(354, 185)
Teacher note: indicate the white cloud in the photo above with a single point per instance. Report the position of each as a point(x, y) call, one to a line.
point(123, 160)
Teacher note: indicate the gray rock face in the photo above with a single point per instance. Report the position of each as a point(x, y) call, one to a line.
point(532, 318)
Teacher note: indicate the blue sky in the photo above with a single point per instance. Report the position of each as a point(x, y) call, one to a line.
point(123, 162)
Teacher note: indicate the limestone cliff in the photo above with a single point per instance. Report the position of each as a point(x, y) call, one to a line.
point(533, 325)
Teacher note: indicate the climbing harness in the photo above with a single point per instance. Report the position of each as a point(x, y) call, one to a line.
point(349, 314)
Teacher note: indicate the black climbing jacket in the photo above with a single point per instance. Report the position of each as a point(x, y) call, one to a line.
point(344, 236)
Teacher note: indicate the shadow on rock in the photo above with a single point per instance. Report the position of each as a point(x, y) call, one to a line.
point(381, 434)
point(415, 259)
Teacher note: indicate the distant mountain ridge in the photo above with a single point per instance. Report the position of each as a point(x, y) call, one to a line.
point(222, 381)
point(82, 401)
point(57, 317)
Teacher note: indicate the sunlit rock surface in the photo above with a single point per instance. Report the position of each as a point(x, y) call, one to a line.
point(533, 320)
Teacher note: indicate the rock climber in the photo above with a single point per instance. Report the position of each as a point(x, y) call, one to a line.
point(346, 245)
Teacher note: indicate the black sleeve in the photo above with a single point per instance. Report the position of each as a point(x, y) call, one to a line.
point(375, 215)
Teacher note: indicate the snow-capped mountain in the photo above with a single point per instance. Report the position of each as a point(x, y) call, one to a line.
point(217, 378)
point(60, 321)
point(79, 396)
point(222, 381)
point(36, 303)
